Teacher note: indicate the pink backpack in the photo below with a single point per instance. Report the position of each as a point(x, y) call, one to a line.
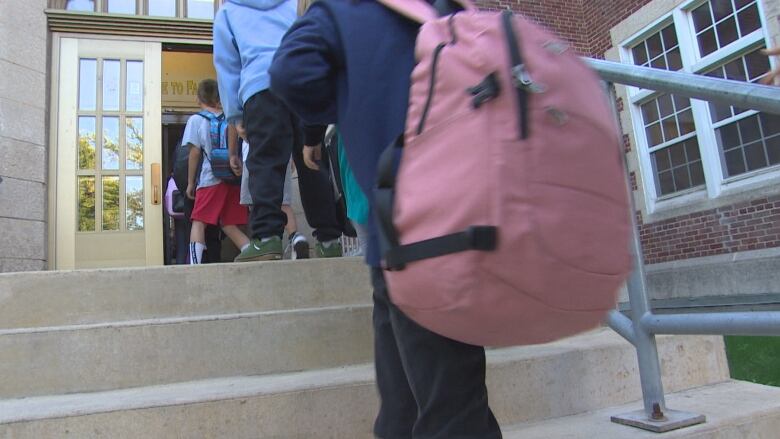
point(507, 220)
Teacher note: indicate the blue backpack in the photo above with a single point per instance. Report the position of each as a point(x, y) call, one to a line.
point(219, 157)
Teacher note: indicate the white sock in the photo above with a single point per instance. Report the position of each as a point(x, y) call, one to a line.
point(327, 244)
point(246, 246)
point(196, 252)
point(266, 239)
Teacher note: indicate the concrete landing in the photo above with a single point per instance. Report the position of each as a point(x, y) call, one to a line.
point(734, 410)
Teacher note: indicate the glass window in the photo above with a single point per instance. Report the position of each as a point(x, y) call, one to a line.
point(749, 144)
point(86, 204)
point(110, 203)
point(134, 139)
point(80, 5)
point(678, 167)
point(134, 188)
point(135, 86)
point(718, 23)
point(200, 9)
point(750, 67)
point(121, 6)
point(110, 143)
point(87, 84)
point(666, 118)
point(661, 50)
point(111, 80)
point(87, 137)
point(162, 8)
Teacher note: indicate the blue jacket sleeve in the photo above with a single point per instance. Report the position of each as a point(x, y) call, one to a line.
point(227, 62)
point(304, 70)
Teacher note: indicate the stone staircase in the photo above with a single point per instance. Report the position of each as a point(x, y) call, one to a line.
point(283, 350)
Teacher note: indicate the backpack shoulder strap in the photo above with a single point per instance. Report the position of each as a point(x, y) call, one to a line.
point(420, 10)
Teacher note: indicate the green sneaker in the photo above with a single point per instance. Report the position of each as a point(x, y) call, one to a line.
point(269, 250)
point(332, 250)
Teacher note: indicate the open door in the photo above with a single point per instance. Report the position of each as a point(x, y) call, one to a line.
point(109, 181)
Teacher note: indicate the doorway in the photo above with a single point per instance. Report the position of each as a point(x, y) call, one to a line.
point(108, 156)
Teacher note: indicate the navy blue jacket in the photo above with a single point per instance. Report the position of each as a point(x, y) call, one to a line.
point(349, 62)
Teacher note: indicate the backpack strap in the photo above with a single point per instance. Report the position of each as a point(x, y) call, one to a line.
point(395, 255)
point(422, 11)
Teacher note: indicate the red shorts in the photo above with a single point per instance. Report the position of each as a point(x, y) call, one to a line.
point(219, 205)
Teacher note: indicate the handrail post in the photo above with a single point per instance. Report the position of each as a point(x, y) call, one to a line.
point(654, 416)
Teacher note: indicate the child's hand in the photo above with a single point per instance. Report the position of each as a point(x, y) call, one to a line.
point(191, 191)
point(769, 79)
point(240, 129)
point(311, 155)
point(235, 165)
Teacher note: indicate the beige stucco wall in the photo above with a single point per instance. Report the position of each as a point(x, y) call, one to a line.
point(23, 67)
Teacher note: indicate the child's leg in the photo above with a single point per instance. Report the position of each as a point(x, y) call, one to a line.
point(292, 225)
point(206, 211)
point(236, 235)
point(197, 242)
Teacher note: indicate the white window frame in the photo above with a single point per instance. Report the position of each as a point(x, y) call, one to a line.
point(716, 184)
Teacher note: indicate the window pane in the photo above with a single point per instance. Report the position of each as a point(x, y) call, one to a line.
point(658, 63)
point(749, 20)
point(135, 202)
point(110, 143)
point(770, 123)
point(87, 138)
point(773, 150)
point(735, 164)
point(686, 122)
point(87, 84)
point(728, 136)
point(135, 86)
point(727, 32)
point(80, 5)
point(162, 8)
point(670, 128)
point(757, 65)
point(654, 46)
point(662, 161)
point(640, 54)
point(134, 138)
point(86, 204)
point(735, 70)
point(650, 112)
point(674, 60)
point(701, 17)
point(121, 6)
point(678, 167)
point(665, 105)
point(707, 42)
point(755, 156)
point(111, 85)
point(200, 9)
point(721, 9)
point(110, 203)
point(669, 37)
point(654, 135)
point(749, 130)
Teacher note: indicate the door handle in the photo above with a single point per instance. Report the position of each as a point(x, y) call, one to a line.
point(156, 184)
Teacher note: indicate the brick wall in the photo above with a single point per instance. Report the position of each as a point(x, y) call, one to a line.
point(562, 16)
point(750, 225)
point(584, 23)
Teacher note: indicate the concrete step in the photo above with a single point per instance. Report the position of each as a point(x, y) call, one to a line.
point(85, 358)
point(59, 298)
point(733, 409)
point(576, 375)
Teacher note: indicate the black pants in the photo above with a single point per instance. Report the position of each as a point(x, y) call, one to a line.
point(430, 387)
point(274, 133)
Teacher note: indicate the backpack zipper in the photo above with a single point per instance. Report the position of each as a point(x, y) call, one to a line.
point(429, 101)
point(520, 77)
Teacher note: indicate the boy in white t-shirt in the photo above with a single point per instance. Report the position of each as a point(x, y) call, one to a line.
point(216, 202)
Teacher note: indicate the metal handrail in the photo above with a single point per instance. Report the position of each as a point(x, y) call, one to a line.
point(641, 329)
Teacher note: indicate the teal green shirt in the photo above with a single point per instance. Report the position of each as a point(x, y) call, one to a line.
point(357, 203)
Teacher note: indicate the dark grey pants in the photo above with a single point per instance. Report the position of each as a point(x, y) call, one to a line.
point(274, 134)
point(431, 387)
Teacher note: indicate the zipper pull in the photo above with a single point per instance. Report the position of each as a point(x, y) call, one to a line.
point(523, 80)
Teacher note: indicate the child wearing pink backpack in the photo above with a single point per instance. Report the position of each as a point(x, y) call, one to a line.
point(430, 386)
